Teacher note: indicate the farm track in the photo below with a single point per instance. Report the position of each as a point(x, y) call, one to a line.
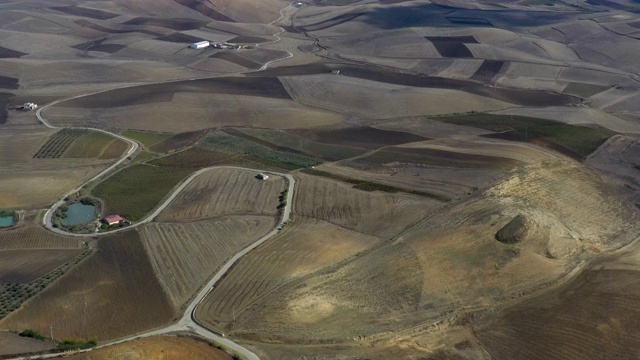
point(188, 321)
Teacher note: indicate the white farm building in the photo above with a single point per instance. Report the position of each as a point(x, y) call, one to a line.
point(200, 45)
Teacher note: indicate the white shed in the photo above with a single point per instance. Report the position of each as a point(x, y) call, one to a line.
point(200, 45)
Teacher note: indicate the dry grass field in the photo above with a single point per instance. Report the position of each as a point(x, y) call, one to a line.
point(33, 236)
point(119, 275)
point(220, 192)
point(185, 256)
point(25, 266)
point(157, 348)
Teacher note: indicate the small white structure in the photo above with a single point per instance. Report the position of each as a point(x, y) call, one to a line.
point(29, 106)
point(200, 45)
point(262, 176)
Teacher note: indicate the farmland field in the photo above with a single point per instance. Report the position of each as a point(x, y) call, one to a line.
point(145, 138)
point(12, 344)
point(185, 256)
point(79, 304)
point(24, 266)
point(36, 237)
point(223, 191)
point(93, 145)
point(59, 143)
point(158, 348)
point(135, 190)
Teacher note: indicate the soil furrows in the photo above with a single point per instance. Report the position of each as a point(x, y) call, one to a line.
point(225, 191)
point(375, 213)
point(184, 256)
point(36, 238)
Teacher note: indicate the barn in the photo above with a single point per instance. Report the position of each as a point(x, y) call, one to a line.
point(200, 45)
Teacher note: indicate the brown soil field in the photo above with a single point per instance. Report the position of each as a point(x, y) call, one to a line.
point(185, 256)
point(452, 46)
point(25, 266)
point(157, 348)
point(307, 246)
point(236, 59)
point(363, 137)
point(34, 236)
point(592, 317)
point(374, 213)
point(81, 304)
point(221, 192)
point(12, 344)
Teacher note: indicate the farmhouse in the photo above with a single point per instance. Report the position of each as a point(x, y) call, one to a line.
point(29, 106)
point(112, 219)
point(262, 176)
point(200, 45)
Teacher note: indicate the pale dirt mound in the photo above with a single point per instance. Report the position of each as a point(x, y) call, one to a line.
point(157, 348)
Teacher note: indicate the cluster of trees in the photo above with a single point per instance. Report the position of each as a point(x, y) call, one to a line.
point(64, 345)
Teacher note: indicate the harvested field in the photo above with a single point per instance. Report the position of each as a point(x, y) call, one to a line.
point(177, 142)
point(85, 12)
point(146, 138)
point(12, 344)
point(308, 246)
point(584, 90)
point(185, 256)
point(218, 141)
point(181, 38)
point(620, 155)
point(36, 237)
point(375, 213)
point(247, 39)
point(136, 190)
point(147, 94)
point(158, 348)
point(220, 192)
point(372, 99)
point(25, 266)
point(80, 304)
point(299, 143)
point(17, 147)
point(92, 145)
point(433, 157)
point(360, 137)
point(59, 143)
point(175, 24)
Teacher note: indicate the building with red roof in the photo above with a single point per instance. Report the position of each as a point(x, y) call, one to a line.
point(112, 219)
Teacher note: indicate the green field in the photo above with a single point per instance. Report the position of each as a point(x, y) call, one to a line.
point(584, 90)
point(146, 138)
point(325, 151)
point(90, 145)
point(220, 142)
point(136, 190)
point(580, 140)
point(194, 158)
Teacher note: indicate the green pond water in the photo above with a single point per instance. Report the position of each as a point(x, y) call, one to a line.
point(80, 214)
point(6, 221)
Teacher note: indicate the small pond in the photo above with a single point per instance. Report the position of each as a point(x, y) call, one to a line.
point(80, 214)
point(6, 221)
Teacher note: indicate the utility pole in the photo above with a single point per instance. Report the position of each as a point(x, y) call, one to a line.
point(51, 331)
point(234, 315)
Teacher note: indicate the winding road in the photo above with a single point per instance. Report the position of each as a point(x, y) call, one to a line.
point(188, 321)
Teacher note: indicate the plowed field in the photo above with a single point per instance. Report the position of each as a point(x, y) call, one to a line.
point(223, 191)
point(81, 304)
point(185, 256)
